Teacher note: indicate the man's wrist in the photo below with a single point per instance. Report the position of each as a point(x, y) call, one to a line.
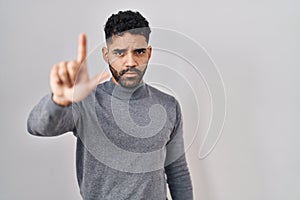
point(60, 101)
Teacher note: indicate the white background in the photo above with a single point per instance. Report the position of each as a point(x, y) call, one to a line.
point(255, 45)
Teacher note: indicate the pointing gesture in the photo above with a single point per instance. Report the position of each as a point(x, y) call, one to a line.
point(67, 77)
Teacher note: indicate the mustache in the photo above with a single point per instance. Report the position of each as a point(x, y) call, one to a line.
point(130, 69)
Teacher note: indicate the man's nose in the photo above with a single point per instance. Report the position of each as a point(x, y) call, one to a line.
point(130, 60)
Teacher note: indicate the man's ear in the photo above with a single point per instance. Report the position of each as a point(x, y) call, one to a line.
point(105, 54)
point(149, 49)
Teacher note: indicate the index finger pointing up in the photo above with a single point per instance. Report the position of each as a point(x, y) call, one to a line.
point(81, 48)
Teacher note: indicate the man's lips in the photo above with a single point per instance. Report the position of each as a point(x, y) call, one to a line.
point(130, 74)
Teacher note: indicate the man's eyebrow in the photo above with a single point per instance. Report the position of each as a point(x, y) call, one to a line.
point(140, 49)
point(119, 50)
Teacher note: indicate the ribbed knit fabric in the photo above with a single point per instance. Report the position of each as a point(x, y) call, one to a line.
point(133, 163)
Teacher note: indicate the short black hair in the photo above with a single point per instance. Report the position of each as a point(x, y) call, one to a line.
point(126, 21)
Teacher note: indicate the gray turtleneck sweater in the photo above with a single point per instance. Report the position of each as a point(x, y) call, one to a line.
point(129, 142)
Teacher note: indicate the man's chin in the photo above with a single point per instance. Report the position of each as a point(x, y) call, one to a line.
point(129, 82)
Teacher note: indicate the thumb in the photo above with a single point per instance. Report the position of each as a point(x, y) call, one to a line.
point(99, 78)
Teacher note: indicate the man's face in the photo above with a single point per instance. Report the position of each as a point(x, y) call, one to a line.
point(128, 57)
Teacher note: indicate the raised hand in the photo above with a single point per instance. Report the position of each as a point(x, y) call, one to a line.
point(69, 80)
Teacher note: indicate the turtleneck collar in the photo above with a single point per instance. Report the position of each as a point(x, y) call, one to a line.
point(117, 91)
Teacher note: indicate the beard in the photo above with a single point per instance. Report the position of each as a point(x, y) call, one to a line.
point(127, 82)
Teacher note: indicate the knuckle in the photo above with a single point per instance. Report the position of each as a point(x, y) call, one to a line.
point(55, 66)
point(54, 69)
point(62, 71)
point(72, 65)
point(62, 63)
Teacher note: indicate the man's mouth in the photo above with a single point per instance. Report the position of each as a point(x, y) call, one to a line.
point(130, 72)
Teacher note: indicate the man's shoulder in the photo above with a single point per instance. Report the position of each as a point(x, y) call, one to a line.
point(161, 95)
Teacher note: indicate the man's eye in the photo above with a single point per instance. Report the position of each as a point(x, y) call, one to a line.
point(119, 53)
point(140, 51)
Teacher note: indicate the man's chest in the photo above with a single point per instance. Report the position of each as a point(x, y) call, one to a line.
point(137, 126)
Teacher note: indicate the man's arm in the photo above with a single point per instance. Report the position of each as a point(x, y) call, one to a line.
point(53, 114)
point(178, 176)
point(50, 119)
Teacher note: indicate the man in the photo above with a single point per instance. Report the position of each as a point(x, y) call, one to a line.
point(129, 134)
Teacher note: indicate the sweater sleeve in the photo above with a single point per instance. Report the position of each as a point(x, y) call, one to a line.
point(178, 176)
point(50, 119)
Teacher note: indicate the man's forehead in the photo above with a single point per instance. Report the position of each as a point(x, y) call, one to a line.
point(127, 41)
